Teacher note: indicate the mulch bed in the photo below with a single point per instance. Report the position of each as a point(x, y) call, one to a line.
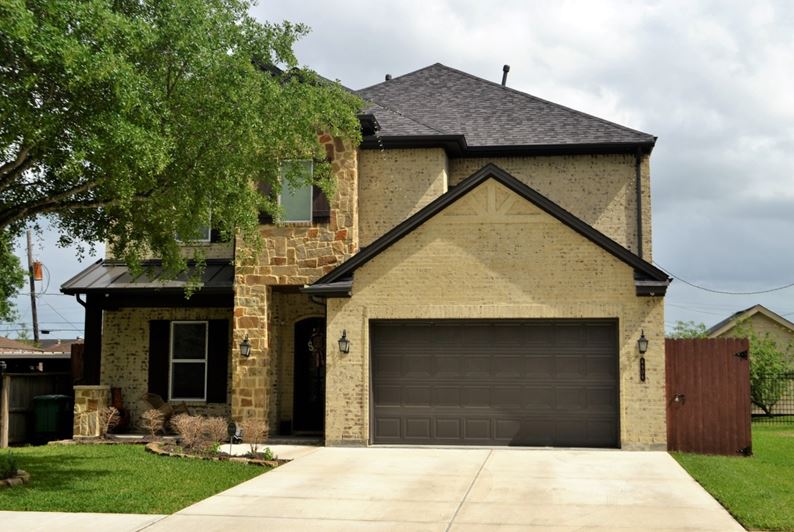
point(171, 449)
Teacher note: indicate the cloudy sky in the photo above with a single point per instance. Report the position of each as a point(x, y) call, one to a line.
point(713, 80)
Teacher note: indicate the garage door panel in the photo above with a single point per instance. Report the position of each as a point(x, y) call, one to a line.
point(509, 382)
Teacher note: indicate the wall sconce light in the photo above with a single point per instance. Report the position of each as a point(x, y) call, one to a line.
point(344, 343)
point(642, 343)
point(245, 347)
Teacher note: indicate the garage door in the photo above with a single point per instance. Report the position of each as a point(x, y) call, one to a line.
point(505, 382)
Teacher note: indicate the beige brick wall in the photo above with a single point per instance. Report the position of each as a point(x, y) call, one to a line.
point(292, 254)
point(125, 353)
point(484, 257)
point(394, 184)
point(599, 189)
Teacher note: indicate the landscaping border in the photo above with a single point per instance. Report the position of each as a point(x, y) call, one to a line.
point(158, 448)
point(21, 477)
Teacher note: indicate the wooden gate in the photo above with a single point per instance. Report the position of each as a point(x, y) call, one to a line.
point(708, 396)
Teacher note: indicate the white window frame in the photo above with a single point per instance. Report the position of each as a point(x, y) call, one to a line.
point(284, 185)
point(171, 360)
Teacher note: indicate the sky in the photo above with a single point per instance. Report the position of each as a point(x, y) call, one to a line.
point(714, 81)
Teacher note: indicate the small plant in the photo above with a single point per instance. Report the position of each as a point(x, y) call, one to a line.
point(201, 434)
point(254, 432)
point(8, 465)
point(109, 418)
point(267, 454)
point(153, 421)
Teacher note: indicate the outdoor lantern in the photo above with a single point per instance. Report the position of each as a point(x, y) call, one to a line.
point(642, 343)
point(344, 343)
point(245, 347)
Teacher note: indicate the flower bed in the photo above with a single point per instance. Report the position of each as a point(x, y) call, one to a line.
point(171, 449)
point(19, 478)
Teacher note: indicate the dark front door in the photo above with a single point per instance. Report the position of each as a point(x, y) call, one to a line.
point(495, 382)
point(309, 386)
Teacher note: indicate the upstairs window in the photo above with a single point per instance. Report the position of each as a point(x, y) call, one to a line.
point(296, 193)
point(203, 235)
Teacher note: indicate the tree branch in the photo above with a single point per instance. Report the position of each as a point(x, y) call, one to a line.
point(11, 170)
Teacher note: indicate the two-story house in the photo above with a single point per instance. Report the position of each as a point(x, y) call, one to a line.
point(482, 275)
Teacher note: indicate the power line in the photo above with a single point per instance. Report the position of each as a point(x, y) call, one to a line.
point(725, 292)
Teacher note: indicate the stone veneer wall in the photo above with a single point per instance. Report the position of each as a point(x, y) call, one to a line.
point(467, 262)
point(125, 353)
point(599, 189)
point(292, 254)
point(394, 184)
point(88, 401)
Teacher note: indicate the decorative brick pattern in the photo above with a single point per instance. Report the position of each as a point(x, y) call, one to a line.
point(467, 262)
point(292, 254)
point(125, 353)
point(395, 184)
point(599, 189)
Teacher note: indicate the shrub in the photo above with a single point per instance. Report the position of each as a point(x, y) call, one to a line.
point(768, 362)
point(153, 421)
point(254, 432)
point(200, 433)
point(8, 465)
point(109, 417)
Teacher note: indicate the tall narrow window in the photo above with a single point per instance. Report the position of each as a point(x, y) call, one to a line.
point(188, 361)
point(296, 198)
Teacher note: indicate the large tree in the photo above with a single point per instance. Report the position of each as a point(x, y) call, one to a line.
point(132, 121)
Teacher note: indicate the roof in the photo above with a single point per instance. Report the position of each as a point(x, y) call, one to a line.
point(109, 275)
point(58, 345)
point(649, 279)
point(7, 345)
point(732, 320)
point(441, 101)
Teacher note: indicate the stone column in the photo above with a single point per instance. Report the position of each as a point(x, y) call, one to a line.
point(88, 401)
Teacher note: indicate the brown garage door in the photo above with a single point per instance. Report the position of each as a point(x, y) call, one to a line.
point(505, 382)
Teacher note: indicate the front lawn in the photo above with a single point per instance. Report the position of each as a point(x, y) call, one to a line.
point(758, 491)
point(116, 478)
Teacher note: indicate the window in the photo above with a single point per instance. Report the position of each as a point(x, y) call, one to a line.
point(188, 360)
point(204, 234)
point(296, 199)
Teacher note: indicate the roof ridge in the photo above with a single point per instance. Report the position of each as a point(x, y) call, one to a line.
point(533, 97)
point(398, 77)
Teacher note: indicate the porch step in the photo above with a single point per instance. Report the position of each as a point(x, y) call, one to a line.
point(295, 440)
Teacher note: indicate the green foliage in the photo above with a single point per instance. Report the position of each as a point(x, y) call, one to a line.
point(267, 454)
point(116, 479)
point(12, 277)
point(8, 465)
point(130, 122)
point(756, 490)
point(768, 362)
point(688, 329)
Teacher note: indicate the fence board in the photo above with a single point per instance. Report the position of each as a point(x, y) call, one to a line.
point(712, 412)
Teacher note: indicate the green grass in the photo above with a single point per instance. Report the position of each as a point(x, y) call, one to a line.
point(116, 478)
point(758, 491)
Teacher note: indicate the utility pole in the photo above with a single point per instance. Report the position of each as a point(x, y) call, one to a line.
point(32, 290)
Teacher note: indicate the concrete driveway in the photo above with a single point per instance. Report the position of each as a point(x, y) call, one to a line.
point(462, 489)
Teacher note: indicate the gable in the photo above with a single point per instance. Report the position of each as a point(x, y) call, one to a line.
point(511, 204)
point(762, 321)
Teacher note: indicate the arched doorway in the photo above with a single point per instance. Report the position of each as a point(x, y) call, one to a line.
point(309, 376)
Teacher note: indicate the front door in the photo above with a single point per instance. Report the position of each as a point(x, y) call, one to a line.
point(309, 386)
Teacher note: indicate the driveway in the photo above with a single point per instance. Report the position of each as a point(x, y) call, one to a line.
point(462, 489)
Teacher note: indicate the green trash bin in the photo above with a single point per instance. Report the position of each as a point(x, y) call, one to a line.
point(52, 418)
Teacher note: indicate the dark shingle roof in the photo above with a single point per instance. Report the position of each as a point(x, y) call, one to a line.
point(439, 100)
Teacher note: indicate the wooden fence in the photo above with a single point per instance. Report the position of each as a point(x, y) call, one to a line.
point(16, 392)
point(708, 396)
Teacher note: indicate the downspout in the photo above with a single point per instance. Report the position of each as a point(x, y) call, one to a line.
point(638, 189)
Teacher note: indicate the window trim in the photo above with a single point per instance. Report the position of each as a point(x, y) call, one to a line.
point(282, 186)
point(171, 361)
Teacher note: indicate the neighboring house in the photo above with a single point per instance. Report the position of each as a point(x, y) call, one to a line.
point(761, 320)
point(482, 276)
point(21, 357)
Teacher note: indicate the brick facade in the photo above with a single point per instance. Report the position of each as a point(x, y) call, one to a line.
point(467, 262)
point(292, 254)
